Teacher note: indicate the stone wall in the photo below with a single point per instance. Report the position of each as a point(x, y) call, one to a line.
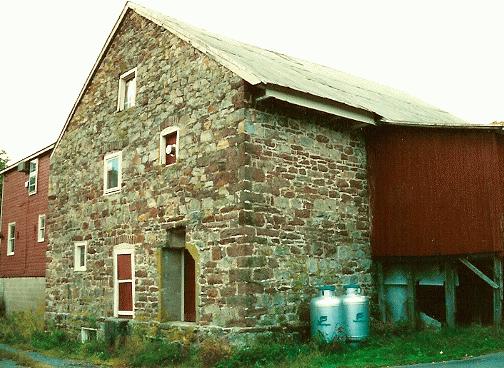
point(21, 294)
point(272, 204)
point(176, 86)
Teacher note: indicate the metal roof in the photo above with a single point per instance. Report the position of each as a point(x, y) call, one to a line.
point(269, 69)
point(263, 67)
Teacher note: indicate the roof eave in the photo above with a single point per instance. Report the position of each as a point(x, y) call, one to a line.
point(32, 156)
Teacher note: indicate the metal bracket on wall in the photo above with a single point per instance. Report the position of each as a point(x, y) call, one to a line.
point(479, 273)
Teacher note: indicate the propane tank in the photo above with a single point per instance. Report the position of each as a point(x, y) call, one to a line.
point(326, 314)
point(356, 312)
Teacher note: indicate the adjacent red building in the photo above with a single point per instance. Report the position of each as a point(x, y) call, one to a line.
point(23, 238)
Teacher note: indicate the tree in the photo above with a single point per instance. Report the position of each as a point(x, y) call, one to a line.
point(3, 164)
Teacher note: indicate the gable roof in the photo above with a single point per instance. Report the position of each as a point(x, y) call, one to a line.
point(269, 69)
point(28, 158)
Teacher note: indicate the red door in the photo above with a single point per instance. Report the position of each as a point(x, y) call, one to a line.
point(124, 286)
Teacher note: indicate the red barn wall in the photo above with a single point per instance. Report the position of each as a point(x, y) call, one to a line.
point(29, 255)
point(435, 191)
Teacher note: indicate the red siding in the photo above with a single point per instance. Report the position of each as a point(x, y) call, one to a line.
point(435, 191)
point(29, 255)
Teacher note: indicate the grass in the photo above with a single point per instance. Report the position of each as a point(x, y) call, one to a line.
point(387, 346)
point(21, 359)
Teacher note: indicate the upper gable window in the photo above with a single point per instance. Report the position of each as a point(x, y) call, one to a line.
point(112, 172)
point(127, 90)
point(168, 146)
point(32, 177)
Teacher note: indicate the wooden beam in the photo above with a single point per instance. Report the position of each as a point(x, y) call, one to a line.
point(475, 269)
point(497, 293)
point(381, 291)
point(450, 298)
point(411, 297)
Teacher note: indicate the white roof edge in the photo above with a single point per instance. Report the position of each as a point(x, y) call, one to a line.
point(148, 14)
point(440, 125)
point(36, 154)
point(205, 49)
point(93, 70)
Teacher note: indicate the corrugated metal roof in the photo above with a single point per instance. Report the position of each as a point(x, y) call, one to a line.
point(260, 66)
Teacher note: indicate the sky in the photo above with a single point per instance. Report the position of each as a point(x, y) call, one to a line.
point(448, 53)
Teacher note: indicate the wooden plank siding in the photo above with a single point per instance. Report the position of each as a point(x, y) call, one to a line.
point(435, 192)
point(29, 256)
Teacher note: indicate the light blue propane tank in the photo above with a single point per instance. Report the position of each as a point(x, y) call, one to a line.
point(356, 310)
point(326, 314)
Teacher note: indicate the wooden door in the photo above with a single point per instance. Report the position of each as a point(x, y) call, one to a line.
point(189, 288)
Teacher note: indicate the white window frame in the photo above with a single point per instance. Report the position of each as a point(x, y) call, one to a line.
point(11, 238)
point(118, 250)
point(77, 256)
point(162, 144)
point(109, 156)
point(41, 229)
point(121, 99)
point(33, 174)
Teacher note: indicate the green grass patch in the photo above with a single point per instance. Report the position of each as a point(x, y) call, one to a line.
point(387, 346)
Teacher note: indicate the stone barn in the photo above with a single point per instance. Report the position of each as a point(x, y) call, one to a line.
point(203, 182)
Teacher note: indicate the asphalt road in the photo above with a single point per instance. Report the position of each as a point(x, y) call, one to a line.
point(495, 360)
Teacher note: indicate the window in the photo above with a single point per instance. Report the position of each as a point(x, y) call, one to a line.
point(80, 252)
point(32, 177)
point(124, 280)
point(169, 144)
point(112, 172)
point(41, 228)
point(127, 90)
point(11, 238)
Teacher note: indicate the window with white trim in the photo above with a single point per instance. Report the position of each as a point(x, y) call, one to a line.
point(112, 172)
point(127, 90)
point(41, 228)
point(32, 177)
point(11, 238)
point(80, 251)
point(169, 146)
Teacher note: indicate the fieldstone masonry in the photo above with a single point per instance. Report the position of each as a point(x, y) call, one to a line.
point(273, 199)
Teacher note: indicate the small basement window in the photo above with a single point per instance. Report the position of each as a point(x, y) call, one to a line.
point(88, 334)
point(32, 177)
point(11, 238)
point(41, 228)
point(112, 172)
point(127, 90)
point(169, 145)
point(80, 252)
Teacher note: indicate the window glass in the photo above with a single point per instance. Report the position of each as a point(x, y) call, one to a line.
point(129, 93)
point(11, 238)
point(41, 228)
point(82, 252)
point(32, 177)
point(112, 172)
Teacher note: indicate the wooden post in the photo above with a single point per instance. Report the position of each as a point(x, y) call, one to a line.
point(450, 299)
point(381, 291)
point(497, 293)
point(411, 293)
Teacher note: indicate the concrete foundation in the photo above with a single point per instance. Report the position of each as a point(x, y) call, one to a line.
point(22, 294)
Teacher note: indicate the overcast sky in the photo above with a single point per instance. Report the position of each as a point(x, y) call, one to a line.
point(448, 53)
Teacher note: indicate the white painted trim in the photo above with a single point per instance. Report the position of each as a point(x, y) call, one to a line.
point(33, 174)
point(36, 154)
point(162, 144)
point(40, 238)
point(108, 156)
point(330, 107)
point(77, 258)
point(121, 96)
point(11, 250)
point(124, 248)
